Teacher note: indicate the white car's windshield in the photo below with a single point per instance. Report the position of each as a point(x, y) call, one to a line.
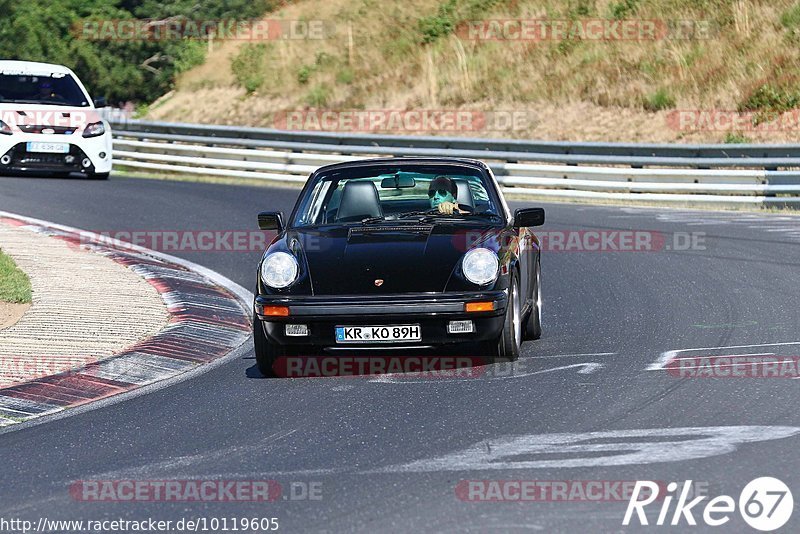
point(54, 90)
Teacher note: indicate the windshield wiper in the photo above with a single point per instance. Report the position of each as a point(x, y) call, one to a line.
point(370, 220)
point(412, 214)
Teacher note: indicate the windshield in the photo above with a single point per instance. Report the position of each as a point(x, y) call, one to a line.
point(395, 194)
point(53, 89)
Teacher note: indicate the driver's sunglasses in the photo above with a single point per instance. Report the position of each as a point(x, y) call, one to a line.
point(441, 192)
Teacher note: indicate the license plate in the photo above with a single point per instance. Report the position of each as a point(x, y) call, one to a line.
point(49, 148)
point(378, 334)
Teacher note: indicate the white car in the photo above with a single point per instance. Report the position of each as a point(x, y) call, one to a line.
point(49, 124)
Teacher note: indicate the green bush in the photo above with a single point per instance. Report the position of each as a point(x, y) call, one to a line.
point(304, 74)
point(790, 18)
point(442, 23)
point(318, 96)
point(659, 100)
point(345, 76)
point(771, 98)
point(733, 138)
point(192, 54)
point(450, 14)
point(623, 9)
point(583, 9)
point(248, 66)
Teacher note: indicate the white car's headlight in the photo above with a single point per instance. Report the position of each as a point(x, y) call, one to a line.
point(481, 266)
point(279, 270)
point(94, 129)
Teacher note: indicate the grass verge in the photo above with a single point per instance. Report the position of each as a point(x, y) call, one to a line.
point(15, 287)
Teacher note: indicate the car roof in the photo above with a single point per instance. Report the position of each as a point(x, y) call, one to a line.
point(32, 67)
point(369, 162)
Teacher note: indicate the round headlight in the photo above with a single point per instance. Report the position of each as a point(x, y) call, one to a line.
point(279, 270)
point(480, 266)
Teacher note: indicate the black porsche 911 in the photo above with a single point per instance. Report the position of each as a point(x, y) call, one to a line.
point(401, 253)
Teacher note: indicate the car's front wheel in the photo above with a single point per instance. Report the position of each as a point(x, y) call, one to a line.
point(266, 353)
point(507, 346)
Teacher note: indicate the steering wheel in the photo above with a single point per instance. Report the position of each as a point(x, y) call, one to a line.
point(462, 207)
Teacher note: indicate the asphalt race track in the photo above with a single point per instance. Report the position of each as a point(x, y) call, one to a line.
point(388, 454)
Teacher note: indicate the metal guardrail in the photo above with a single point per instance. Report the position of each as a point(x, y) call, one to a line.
point(708, 174)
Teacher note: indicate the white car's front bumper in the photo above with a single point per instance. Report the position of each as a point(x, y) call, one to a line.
point(96, 151)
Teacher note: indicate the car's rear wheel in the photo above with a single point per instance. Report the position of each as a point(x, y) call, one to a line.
point(267, 353)
point(507, 346)
point(533, 326)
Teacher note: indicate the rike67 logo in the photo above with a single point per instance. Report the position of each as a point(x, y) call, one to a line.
point(765, 504)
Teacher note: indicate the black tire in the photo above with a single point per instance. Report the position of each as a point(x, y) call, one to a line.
point(99, 175)
point(507, 346)
point(533, 325)
point(267, 353)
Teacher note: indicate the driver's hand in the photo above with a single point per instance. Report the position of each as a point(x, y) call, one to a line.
point(448, 208)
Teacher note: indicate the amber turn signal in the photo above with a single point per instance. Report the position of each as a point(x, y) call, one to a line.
point(276, 311)
point(479, 306)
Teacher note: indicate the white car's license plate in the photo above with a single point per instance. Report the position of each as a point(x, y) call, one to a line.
point(50, 148)
point(378, 334)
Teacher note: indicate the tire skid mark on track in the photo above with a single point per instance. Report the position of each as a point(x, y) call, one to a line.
point(207, 322)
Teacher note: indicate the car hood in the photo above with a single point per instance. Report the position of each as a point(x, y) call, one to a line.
point(385, 259)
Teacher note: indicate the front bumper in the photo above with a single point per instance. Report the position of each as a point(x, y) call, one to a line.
point(432, 312)
point(14, 156)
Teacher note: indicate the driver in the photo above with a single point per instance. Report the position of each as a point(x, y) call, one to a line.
point(442, 191)
point(46, 91)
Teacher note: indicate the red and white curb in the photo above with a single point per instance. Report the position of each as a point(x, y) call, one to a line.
point(209, 321)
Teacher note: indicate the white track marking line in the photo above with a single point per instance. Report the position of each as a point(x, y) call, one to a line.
point(729, 356)
point(661, 362)
point(586, 368)
point(624, 447)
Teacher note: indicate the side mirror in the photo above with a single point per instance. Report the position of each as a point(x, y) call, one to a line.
point(526, 217)
point(271, 220)
point(100, 102)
